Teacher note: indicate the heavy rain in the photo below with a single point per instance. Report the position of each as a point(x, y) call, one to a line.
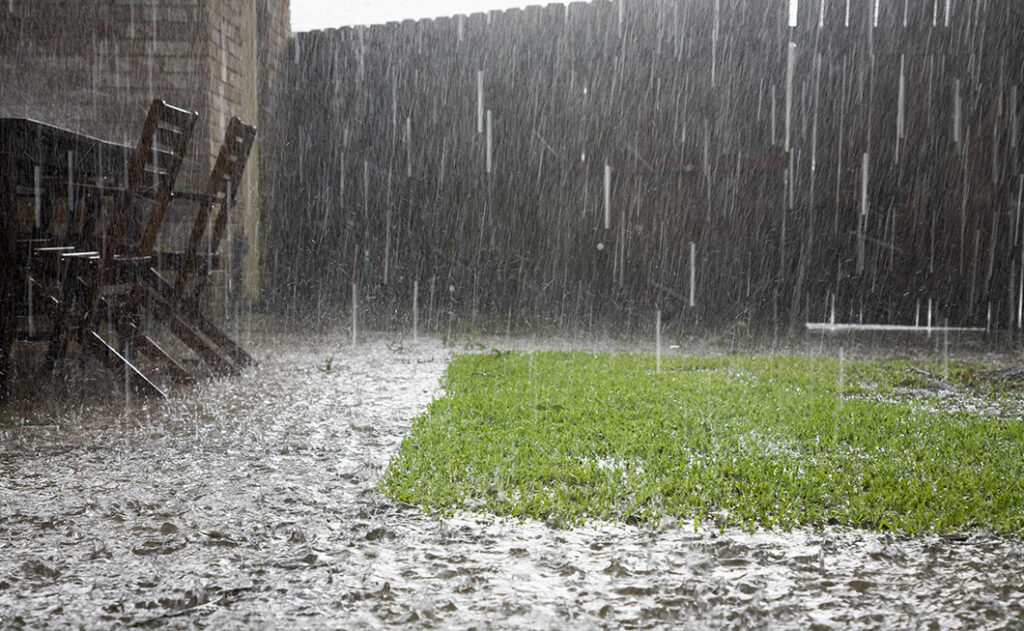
point(240, 263)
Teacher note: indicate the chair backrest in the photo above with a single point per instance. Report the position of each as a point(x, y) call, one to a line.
point(221, 190)
point(151, 175)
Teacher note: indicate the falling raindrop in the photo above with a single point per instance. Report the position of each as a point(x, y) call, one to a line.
point(209, 242)
point(607, 196)
point(151, 53)
point(714, 41)
point(366, 186)
point(29, 299)
point(489, 158)
point(1020, 294)
point(71, 179)
point(793, 4)
point(945, 342)
point(408, 146)
point(657, 341)
point(479, 101)
point(37, 174)
point(791, 60)
point(899, 109)
point(387, 235)
point(415, 310)
point(156, 165)
point(1013, 117)
point(862, 222)
point(127, 381)
point(956, 111)
point(355, 312)
point(693, 273)
point(864, 185)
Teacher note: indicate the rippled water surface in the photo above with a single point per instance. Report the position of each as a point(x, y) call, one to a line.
point(252, 502)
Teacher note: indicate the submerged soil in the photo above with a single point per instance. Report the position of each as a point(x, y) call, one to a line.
point(252, 501)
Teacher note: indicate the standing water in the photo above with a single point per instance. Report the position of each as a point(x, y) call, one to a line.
point(253, 502)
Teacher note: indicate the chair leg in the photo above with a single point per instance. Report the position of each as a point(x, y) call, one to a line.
point(194, 340)
point(227, 345)
point(60, 328)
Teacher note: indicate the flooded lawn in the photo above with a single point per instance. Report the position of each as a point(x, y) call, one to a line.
point(252, 502)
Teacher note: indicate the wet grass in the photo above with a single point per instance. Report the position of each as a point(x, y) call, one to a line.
point(773, 442)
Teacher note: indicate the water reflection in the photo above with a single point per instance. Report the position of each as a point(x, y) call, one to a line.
point(252, 502)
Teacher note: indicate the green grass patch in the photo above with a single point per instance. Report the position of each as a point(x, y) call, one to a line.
point(776, 442)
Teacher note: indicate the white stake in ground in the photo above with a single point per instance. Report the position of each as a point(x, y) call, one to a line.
point(489, 142)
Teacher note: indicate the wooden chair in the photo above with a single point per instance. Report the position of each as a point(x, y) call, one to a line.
point(178, 301)
point(91, 279)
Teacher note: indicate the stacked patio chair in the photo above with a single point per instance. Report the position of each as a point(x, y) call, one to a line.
point(94, 283)
point(117, 280)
